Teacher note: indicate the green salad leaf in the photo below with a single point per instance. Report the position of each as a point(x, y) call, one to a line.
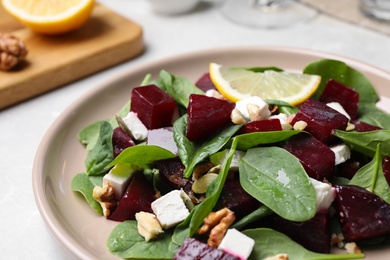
point(83, 184)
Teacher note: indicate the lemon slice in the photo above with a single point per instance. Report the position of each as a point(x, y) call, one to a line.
point(50, 16)
point(238, 84)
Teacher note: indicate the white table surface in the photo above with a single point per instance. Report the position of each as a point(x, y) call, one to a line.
point(23, 233)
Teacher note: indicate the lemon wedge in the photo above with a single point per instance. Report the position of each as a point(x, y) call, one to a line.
point(238, 84)
point(50, 16)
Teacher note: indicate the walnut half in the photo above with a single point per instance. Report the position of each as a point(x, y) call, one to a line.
point(106, 197)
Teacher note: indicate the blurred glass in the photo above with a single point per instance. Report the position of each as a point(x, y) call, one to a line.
point(379, 9)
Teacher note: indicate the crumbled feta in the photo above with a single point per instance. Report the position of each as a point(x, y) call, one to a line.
point(242, 106)
point(118, 177)
point(162, 137)
point(342, 153)
point(237, 244)
point(325, 194)
point(213, 93)
point(284, 120)
point(170, 209)
point(221, 157)
point(136, 127)
point(336, 106)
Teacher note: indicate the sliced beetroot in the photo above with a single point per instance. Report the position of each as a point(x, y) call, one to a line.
point(348, 169)
point(120, 141)
point(346, 96)
point(206, 115)
point(235, 198)
point(261, 126)
point(205, 83)
point(362, 214)
point(194, 249)
point(364, 127)
point(138, 197)
point(321, 120)
point(171, 171)
point(317, 158)
point(154, 107)
point(386, 168)
point(313, 234)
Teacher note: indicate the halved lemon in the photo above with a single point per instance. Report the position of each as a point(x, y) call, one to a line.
point(238, 84)
point(50, 16)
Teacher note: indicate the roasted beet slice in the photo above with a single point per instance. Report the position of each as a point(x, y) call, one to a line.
point(362, 214)
point(386, 168)
point(321, 120)
point(346, 96)
point(120, 141)
point(154, 107)
point(352, 165)
point(171, 171)
point(207, 115)
point(194, 249)
point(205, 83)
point(138, 197)
point(261, 126)
point(313, 234)
point(317, 158)
point(364, 127)
point(235, 198)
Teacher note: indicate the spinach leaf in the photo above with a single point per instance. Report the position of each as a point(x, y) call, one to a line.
point(142, 156)
point(277, 179)
point(250, 140)
point(367, 142)
point(283, 107)
point(181, 232)
point(192, 153)
point(259, 69)
point(82, 183)
point(372, 115)
point(270, 243)
point(372, 178)
point(102, 153)
point(261, 212)
point(124, 241)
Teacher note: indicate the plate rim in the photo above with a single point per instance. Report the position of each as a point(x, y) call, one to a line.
point(66, 241)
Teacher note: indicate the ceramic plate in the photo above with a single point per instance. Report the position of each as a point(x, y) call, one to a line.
point(60, 156)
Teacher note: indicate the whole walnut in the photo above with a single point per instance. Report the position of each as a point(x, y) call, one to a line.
point(12, 51)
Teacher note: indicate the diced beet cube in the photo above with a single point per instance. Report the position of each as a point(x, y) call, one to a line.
point(154, 107)
point(352, 165)
point(317, 158)
point(194, 249)
point(321, 120)
point(362, 214)
point(313, 234)
point(261, 126)
point(205, 83)
point(207, 115)
point(386, 168)
point(120, 141)
point(346, 96)
point(171, 171)
point(138, 197)
point(365, 127)
point(235, 198)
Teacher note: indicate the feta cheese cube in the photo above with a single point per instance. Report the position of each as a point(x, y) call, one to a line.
point(342, 153)
point(242, 106)
point(119, 177)
point(336, 106)
point(325, 194)
point(236, 243)
point(170, 209)
point(221, 157)
point(136, 127)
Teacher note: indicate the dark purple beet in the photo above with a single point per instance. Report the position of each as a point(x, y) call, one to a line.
point(348, 169)
point(205, 83)
point(321, 120)
point(317, 158)
point(171, 171)
point(235, 198)
point(347, 97)
point(193, 249)
point(364, 127)
point(207, 115)
point(386, 168)
point(261, 126)
point(362, 214)
point(120, 141)
point(153, 106)
point(313, 234)
point(138, 197)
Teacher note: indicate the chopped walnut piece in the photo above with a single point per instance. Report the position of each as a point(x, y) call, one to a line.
point(300, 125)
point(337, 239)
point(278, 257)
point(217, 223)
point(352, 248)
point(106, 197)
point(237, 118)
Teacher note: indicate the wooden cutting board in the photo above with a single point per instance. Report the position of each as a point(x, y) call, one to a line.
point(105, 40)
